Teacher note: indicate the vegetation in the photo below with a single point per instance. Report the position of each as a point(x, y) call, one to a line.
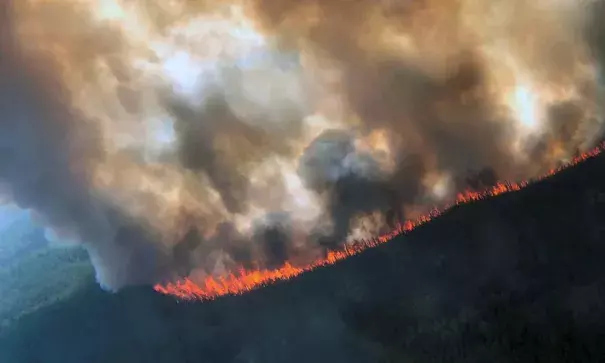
point(32, 274)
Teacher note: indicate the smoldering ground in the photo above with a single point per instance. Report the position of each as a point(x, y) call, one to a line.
point(144, 136)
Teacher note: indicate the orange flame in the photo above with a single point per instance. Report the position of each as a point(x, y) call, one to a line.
point(245, 281)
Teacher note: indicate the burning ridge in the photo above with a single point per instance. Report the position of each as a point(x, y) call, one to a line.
point(248, 280)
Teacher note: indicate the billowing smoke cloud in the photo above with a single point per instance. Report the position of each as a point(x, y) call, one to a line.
point(177, 139)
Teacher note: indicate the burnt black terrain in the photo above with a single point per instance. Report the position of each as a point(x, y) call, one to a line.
point(518, 278)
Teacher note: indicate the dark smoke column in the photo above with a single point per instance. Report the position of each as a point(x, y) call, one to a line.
point(352, 182)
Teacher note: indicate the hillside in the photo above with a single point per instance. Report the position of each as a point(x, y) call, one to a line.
point(517, 278)
point(33, 274)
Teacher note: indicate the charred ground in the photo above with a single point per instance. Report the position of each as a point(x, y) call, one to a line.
point(517, 278)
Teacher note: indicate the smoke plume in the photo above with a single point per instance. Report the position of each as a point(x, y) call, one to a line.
point(176, 138)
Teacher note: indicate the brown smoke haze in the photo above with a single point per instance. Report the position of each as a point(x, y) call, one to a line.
point(181, 138)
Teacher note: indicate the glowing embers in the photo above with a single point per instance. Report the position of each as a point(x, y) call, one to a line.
point(244, 281)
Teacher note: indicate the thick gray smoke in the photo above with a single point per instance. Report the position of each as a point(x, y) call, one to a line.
point(45, 146)
point(595, 35)
point(220, 192)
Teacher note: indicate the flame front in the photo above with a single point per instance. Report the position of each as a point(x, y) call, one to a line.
point(244, 281)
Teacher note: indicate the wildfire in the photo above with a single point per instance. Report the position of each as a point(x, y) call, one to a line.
point(244, 281)
point(171, 137)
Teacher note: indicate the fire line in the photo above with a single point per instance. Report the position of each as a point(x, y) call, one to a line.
point(248, 280)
